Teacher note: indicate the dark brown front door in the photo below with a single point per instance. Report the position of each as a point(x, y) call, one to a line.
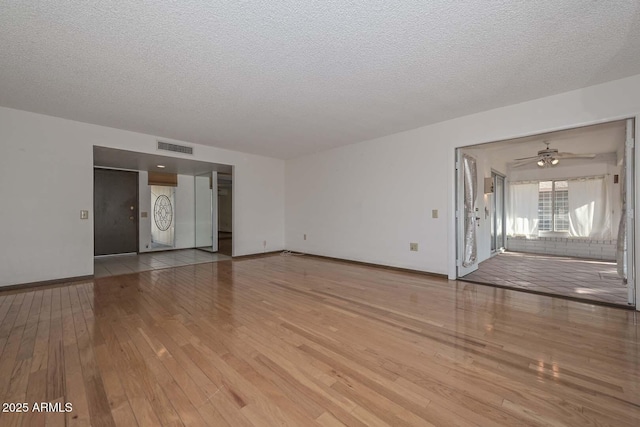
point(115, 203)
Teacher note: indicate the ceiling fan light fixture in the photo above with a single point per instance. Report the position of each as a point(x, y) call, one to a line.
point(549, 157)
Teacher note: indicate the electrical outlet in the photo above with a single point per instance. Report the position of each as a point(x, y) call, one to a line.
point(413, 247)
point(264, 243)
point(434, 213)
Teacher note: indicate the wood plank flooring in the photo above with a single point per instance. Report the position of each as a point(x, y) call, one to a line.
point(302, 341)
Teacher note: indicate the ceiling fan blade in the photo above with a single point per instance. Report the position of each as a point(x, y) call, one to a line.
point(520, 163)
point(527, 158)
point(575, 156)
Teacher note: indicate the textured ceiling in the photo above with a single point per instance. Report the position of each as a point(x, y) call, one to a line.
point(286, 78)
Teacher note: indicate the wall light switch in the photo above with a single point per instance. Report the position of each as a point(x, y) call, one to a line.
point(413, 247)
point(434, 213)
point(143, 214)
point(84, 214)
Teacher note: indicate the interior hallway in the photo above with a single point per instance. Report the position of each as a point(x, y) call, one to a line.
point(595, 280)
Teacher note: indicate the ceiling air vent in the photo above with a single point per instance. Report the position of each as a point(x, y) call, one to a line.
point(175, 148)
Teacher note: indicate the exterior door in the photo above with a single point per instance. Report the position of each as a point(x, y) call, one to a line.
point(115, 206)
point(467, 214)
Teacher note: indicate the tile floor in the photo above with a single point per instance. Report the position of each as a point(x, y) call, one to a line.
point(125, 264)
point(574, 277)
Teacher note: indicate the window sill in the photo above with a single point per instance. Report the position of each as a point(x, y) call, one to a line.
point(564, 234)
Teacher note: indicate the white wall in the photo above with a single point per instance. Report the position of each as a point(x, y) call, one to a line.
point(45, 181)
point(367, 201)
point(46, 178)
point(185, 212)
point(184, 215)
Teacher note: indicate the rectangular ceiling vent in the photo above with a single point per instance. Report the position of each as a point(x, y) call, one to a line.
point(175, 148)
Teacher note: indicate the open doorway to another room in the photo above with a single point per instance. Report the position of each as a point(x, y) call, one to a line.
point(168, 211)
point(548, 213)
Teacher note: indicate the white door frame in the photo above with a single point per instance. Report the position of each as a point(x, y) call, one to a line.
point(494, 212)
point(630, 174)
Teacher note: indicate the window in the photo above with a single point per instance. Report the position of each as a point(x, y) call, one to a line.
point(553, 206)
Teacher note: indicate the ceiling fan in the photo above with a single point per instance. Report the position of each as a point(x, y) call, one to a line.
point(549, 157)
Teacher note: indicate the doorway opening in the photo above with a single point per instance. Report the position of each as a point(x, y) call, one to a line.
point(170, 205)
point(549, 213)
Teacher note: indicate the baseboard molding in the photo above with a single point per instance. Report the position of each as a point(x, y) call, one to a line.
point(44, 283)
point(385, 267)
point(259, 255)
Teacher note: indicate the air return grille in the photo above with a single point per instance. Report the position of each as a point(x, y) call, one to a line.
point(175, 148)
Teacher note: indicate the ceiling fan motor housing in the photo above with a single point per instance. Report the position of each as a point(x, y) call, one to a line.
point(548, 152)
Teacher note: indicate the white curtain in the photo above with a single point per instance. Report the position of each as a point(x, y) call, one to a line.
point(522, 219)
point(589, 209)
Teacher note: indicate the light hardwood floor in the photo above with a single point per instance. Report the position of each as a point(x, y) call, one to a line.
point(303, 341)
